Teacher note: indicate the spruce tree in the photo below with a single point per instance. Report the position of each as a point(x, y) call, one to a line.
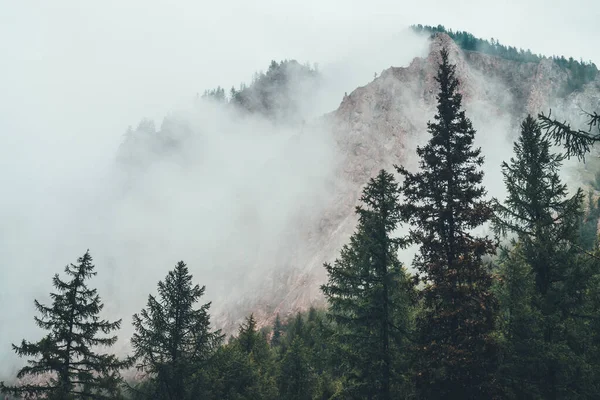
point(66, 359)
point(547, 222)
point(538, 208)
point(173, 339)
point(296, 378)
point(589, 226)
point(445, 202)
point(296, 328)
point(277, 331)
point(370, 296)
point(254, 345)
point(248, 335)
point(518, 322)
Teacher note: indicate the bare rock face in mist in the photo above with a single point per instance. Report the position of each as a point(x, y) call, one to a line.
point(381, 123)
point(275, 265)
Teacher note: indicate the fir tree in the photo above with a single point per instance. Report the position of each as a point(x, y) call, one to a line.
point(173, 338)
point(255, 346)
point(369, 296)
point(589, 226)
point(537, 208)
point(277, 331)
point(547, 223)
point(254, 343)
point(234, 375)
point(296, 378)
point(248, 336)
point(518, 322)
point(296, 328)
point(444, 202)
point(65, 359)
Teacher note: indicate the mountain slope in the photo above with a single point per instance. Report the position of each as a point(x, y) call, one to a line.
point(380, 124)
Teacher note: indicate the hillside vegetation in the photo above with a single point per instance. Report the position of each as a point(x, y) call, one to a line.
point(475, 320)
point(580, 72)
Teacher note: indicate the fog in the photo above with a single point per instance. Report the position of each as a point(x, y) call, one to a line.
point(226, 200)
point(74, 76)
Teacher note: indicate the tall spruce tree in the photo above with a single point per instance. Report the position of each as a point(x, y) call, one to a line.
point(173, 339)
point(65, 359)
point(538, 208)
point(547, 222)
point(370, 297)
point(444, 202)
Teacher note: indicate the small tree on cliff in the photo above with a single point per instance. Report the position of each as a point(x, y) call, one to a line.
point(65, 358)
point(444, 202)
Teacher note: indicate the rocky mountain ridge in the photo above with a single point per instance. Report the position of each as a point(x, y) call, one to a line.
point(380, 124)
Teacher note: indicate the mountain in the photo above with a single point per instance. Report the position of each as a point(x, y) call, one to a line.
point(379, 124)
point(374, 127)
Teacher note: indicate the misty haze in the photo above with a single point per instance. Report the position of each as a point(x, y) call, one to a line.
point(310, 200)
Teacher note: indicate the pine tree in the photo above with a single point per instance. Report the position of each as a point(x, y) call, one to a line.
point(248, 336)
point(296, 378)
point(369, 295)
point(173, 338)
point(277, 331)
point(296, 328)
point(589, 226)
point(65, 359)
point(537, 208)
point(254, 345)
point(547, 223)
point(444, 203)
point(518, 322)
point(234, 375)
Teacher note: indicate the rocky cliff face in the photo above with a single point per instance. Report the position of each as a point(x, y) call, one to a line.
point(380, 124)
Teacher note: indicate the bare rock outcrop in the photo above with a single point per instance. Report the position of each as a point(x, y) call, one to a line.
point(380, 124)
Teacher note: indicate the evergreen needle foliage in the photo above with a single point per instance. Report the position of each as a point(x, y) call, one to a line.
point(66, 359)
point(173, 338)
point(445, 202)
point(546, 277)
point(370, 297)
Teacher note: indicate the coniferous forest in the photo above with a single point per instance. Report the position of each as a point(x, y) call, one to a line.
point(513, 314)
point(580, 72)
